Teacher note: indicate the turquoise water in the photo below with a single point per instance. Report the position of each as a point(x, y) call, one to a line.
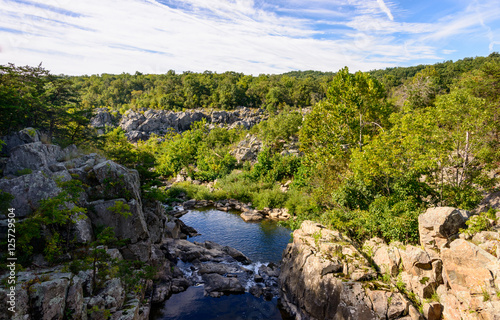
point(260, 241)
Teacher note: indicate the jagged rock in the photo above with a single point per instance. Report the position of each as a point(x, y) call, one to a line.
point(81, 230)
point(387, 258)
point(126, 226)
point(137, 251)
point(247, 149)
point(433, 310)
point(111, 297)
point(491, 200)
point(32, 156)
point(28, 190)
point(155, 218)
point(20, 297)
point(74, 300)
point(470, 271)
point(308, 292)
point(113, 180)
point(47, 299)
point(161, 291)
point(421, 272)
point(437, 225)
point(103, 118)
point(15, 139)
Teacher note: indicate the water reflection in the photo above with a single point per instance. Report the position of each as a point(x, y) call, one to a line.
point(259, 241)
point(192, 305)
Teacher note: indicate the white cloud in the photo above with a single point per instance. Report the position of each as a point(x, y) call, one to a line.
point(385, 9)
point(114, 36)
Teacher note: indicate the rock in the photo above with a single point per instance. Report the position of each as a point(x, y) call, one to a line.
point(48, 298)
point(15, 139)
point(131, 226)
point(81, 230)
point(32, 156)
point(470, 271)
point(251, 216)
point(74, 301)
point(111, 297)
point(137, 251)
point(28, 190)
point(103, 118)
point(247, 149)
point(437, 225)
point(112, 180)
point(309, 285)
point(387, 258)
point(161, 292)
point(432, 311)
point(491, 200)
point(217, 285)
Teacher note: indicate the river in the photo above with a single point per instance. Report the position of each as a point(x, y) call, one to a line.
point(262, 242)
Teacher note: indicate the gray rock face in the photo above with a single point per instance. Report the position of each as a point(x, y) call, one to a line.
point(113, 180)
point(28, 190)
point(48, 299)
point(15, 139)
point(217, 285)
point(111, 297)
point(103, 118)
point(141, 125)
point(248, 149)
point(130, 226)
point(33, 156)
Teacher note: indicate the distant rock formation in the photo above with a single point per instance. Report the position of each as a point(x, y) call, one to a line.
point(140, 125)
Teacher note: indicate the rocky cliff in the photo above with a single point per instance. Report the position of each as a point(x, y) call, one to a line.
point(147, 235)
point(324, 276)
point(139, 125)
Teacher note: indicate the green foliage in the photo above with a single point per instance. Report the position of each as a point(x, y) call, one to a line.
point(5, 199)
point(32, 97)
point(279, 127)
point(203, 153)
point(121, 208)
point(53, 215)
point(476, 224)
point(22, 172)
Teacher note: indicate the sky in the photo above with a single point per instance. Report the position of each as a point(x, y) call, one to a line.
point(250, 36)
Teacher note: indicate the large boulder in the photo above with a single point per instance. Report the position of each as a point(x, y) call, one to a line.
point(469, 270)
point(103, 118)
point(32, 156)
point(28, 190)
point(322, 277)
point(15, 139)
point(110, 180)
point(127, 224)
point(48, 298)
point(438, 225)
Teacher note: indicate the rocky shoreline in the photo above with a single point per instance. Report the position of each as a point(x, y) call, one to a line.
point(247, 212)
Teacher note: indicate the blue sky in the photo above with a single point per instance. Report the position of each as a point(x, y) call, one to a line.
point(250, 36)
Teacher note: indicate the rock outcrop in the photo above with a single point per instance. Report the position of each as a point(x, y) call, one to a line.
point(324, 276)
point(112, 198)
point(140, 125)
